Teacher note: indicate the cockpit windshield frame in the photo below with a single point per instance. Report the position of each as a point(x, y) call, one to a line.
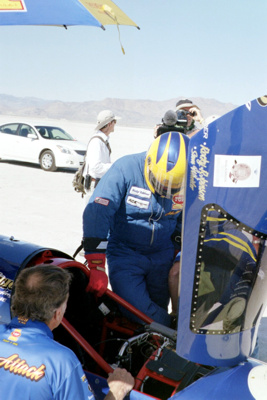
point(231, 265)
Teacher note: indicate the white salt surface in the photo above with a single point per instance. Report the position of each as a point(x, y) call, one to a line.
point(42, 207)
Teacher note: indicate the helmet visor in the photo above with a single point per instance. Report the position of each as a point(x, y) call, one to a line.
point(165, 186)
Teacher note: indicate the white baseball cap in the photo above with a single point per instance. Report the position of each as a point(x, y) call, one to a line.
point(104, 117)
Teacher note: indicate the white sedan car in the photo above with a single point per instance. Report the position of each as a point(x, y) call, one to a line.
point(49, 146)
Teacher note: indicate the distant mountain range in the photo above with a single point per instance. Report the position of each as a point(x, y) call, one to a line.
point(134, 113)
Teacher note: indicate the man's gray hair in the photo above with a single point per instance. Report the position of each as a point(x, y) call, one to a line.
point(39, 291)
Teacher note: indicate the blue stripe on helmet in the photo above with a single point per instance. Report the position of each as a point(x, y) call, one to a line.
point(174, 151)
point(162, 146)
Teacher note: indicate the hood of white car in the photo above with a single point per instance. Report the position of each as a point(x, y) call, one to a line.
point(70, 144)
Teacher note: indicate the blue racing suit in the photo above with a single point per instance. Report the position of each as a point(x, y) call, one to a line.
point(138, 225)
point(34, 366)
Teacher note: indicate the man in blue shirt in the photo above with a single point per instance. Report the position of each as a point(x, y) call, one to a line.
point(136, 207)
point(32, 364)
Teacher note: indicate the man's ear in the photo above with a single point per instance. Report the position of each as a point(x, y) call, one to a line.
point(56, 319)
point(58, 315)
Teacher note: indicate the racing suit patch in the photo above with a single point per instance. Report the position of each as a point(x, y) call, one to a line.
point(137, 191)
point(100, 200)
point(14, 335)
point(133, 201)
point(177, 201)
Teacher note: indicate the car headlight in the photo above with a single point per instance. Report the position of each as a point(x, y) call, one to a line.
point(64, 149)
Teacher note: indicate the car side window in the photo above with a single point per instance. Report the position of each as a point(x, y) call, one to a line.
point(26, 130)
point(10, 129)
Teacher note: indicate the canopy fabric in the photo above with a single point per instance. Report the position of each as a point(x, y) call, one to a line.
point(107, 12)
point(62, 12)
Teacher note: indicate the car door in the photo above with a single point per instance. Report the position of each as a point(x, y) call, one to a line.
point(8, 140)
point(27, 144)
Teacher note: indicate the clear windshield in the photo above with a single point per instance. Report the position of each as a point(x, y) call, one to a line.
point(230, 277)
point(53, 132)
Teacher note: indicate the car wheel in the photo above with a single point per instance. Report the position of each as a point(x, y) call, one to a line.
point(47, 161)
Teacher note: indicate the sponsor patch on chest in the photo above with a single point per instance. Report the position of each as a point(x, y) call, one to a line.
point(177, 204)
point(177, 201)
point(139, 203)
point(141, 192)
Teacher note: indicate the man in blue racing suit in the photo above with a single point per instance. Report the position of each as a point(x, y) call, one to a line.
point(135, 208)
point(34, 366)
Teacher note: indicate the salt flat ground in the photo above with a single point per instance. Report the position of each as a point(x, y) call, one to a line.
point(43, 208)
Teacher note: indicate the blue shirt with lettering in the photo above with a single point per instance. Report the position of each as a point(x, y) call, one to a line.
point(34, 366)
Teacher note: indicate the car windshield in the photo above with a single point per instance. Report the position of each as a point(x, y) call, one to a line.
point(53, 132)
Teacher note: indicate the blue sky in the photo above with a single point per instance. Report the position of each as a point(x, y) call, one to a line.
point(192, 48)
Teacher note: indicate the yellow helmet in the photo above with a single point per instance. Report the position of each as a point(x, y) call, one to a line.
point(165, 163)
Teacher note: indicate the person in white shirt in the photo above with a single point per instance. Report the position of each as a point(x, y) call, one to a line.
point(98, 159)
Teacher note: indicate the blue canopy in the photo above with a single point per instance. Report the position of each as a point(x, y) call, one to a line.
point(62, 13)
